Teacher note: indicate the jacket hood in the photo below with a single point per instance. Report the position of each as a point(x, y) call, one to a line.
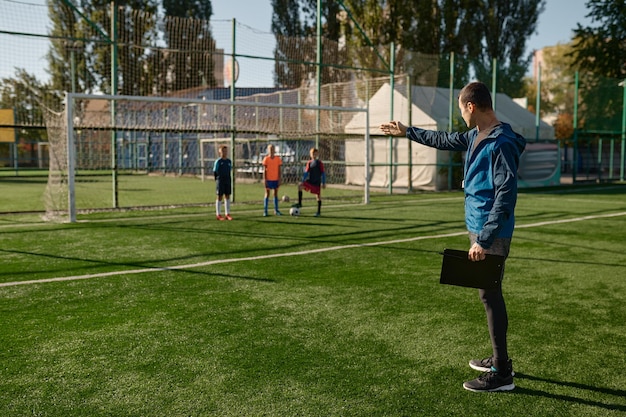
point(506, 130)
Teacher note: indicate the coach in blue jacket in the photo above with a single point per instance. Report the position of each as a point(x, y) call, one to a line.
point(490, 183)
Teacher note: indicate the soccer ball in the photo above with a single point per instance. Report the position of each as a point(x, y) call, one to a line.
point(294, 211)
point(286, 198)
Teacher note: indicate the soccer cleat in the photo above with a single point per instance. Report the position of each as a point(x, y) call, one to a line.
point(317, 214)
point(229, 217)
point(491, 381)
point(278, 213)
point(265, 214)
point(297, 205)
point(484, 365)
point(219, 217)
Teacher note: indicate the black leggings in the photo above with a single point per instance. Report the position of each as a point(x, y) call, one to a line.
point(497, 318)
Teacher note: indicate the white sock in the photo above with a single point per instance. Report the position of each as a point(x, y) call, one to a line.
point(227, 206)
point(217, 207)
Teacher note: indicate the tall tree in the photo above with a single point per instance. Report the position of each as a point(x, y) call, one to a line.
point(66, 58)
point(477, 31)
point(600, 53)
point(294, 24)
point(505, 28)
point(601, 47)
point(289, 31)
point(413, 27)
point(133, 32)
point(557, 88)
point(190, 45)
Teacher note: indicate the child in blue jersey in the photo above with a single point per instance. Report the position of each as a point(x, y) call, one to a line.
point(223, 187)
point(313, 180)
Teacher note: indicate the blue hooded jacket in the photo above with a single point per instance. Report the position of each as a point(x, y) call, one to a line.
point(490, 176)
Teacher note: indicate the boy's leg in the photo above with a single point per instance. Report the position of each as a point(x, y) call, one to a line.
point(266, 201)
point(276, 211)
point(218, 215)
point(227, 206)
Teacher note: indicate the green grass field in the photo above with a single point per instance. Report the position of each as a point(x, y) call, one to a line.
point(172, 313)
point(25, 192)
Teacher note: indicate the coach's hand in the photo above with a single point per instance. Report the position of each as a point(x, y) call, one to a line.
point(393, 128)
point(476, 253)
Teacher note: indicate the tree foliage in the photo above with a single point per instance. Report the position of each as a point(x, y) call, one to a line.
point(66, 49)
point(557, 82)
point(476, 31)
point(504, 27)
point(24, 94)
point(84, 32)
point(599, 51)
point(601, 47)
point(294, 23)
point(190, 43)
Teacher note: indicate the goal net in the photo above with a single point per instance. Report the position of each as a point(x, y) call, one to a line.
point(123, 152)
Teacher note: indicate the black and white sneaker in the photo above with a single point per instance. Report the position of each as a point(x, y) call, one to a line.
point(485, 365)
point(491, 381)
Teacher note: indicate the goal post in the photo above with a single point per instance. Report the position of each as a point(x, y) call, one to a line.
point(166, 137)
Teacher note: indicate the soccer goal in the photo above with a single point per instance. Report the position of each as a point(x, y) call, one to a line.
point(124, 152)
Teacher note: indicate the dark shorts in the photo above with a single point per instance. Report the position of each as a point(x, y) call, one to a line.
point(501, 246)
point(313, 189)
point(223, 188)
point(271, 185)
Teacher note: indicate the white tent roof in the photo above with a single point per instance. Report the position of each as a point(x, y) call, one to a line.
point(380, 112)
point(430, 110)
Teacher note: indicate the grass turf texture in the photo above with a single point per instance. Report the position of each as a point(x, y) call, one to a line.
point(93, 190)
point(357, 331)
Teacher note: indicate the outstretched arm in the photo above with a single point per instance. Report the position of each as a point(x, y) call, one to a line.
point(435, 139)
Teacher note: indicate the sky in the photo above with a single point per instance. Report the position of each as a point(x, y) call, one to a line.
point(556, 24)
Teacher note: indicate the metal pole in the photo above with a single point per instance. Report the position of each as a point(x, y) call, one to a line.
point(366, 167)
point(233, 113)
point(392, 83)
point(318, 70)
point(114, 92)
point(575, 138)
point(71, 158)
point(409, 98)
point(450, 116)
point(623, 153)
point(538, 103)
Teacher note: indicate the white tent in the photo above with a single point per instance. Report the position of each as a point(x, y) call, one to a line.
point(429, 109)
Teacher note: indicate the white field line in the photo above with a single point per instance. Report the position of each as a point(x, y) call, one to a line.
point(297, 253)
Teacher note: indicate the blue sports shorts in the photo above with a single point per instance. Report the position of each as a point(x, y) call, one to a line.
point(271, 185)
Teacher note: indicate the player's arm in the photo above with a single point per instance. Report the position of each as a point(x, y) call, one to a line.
point(264, 172)
point(215, 168)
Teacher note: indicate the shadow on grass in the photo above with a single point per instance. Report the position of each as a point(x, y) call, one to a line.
point(569, 398)
point(569, 245)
